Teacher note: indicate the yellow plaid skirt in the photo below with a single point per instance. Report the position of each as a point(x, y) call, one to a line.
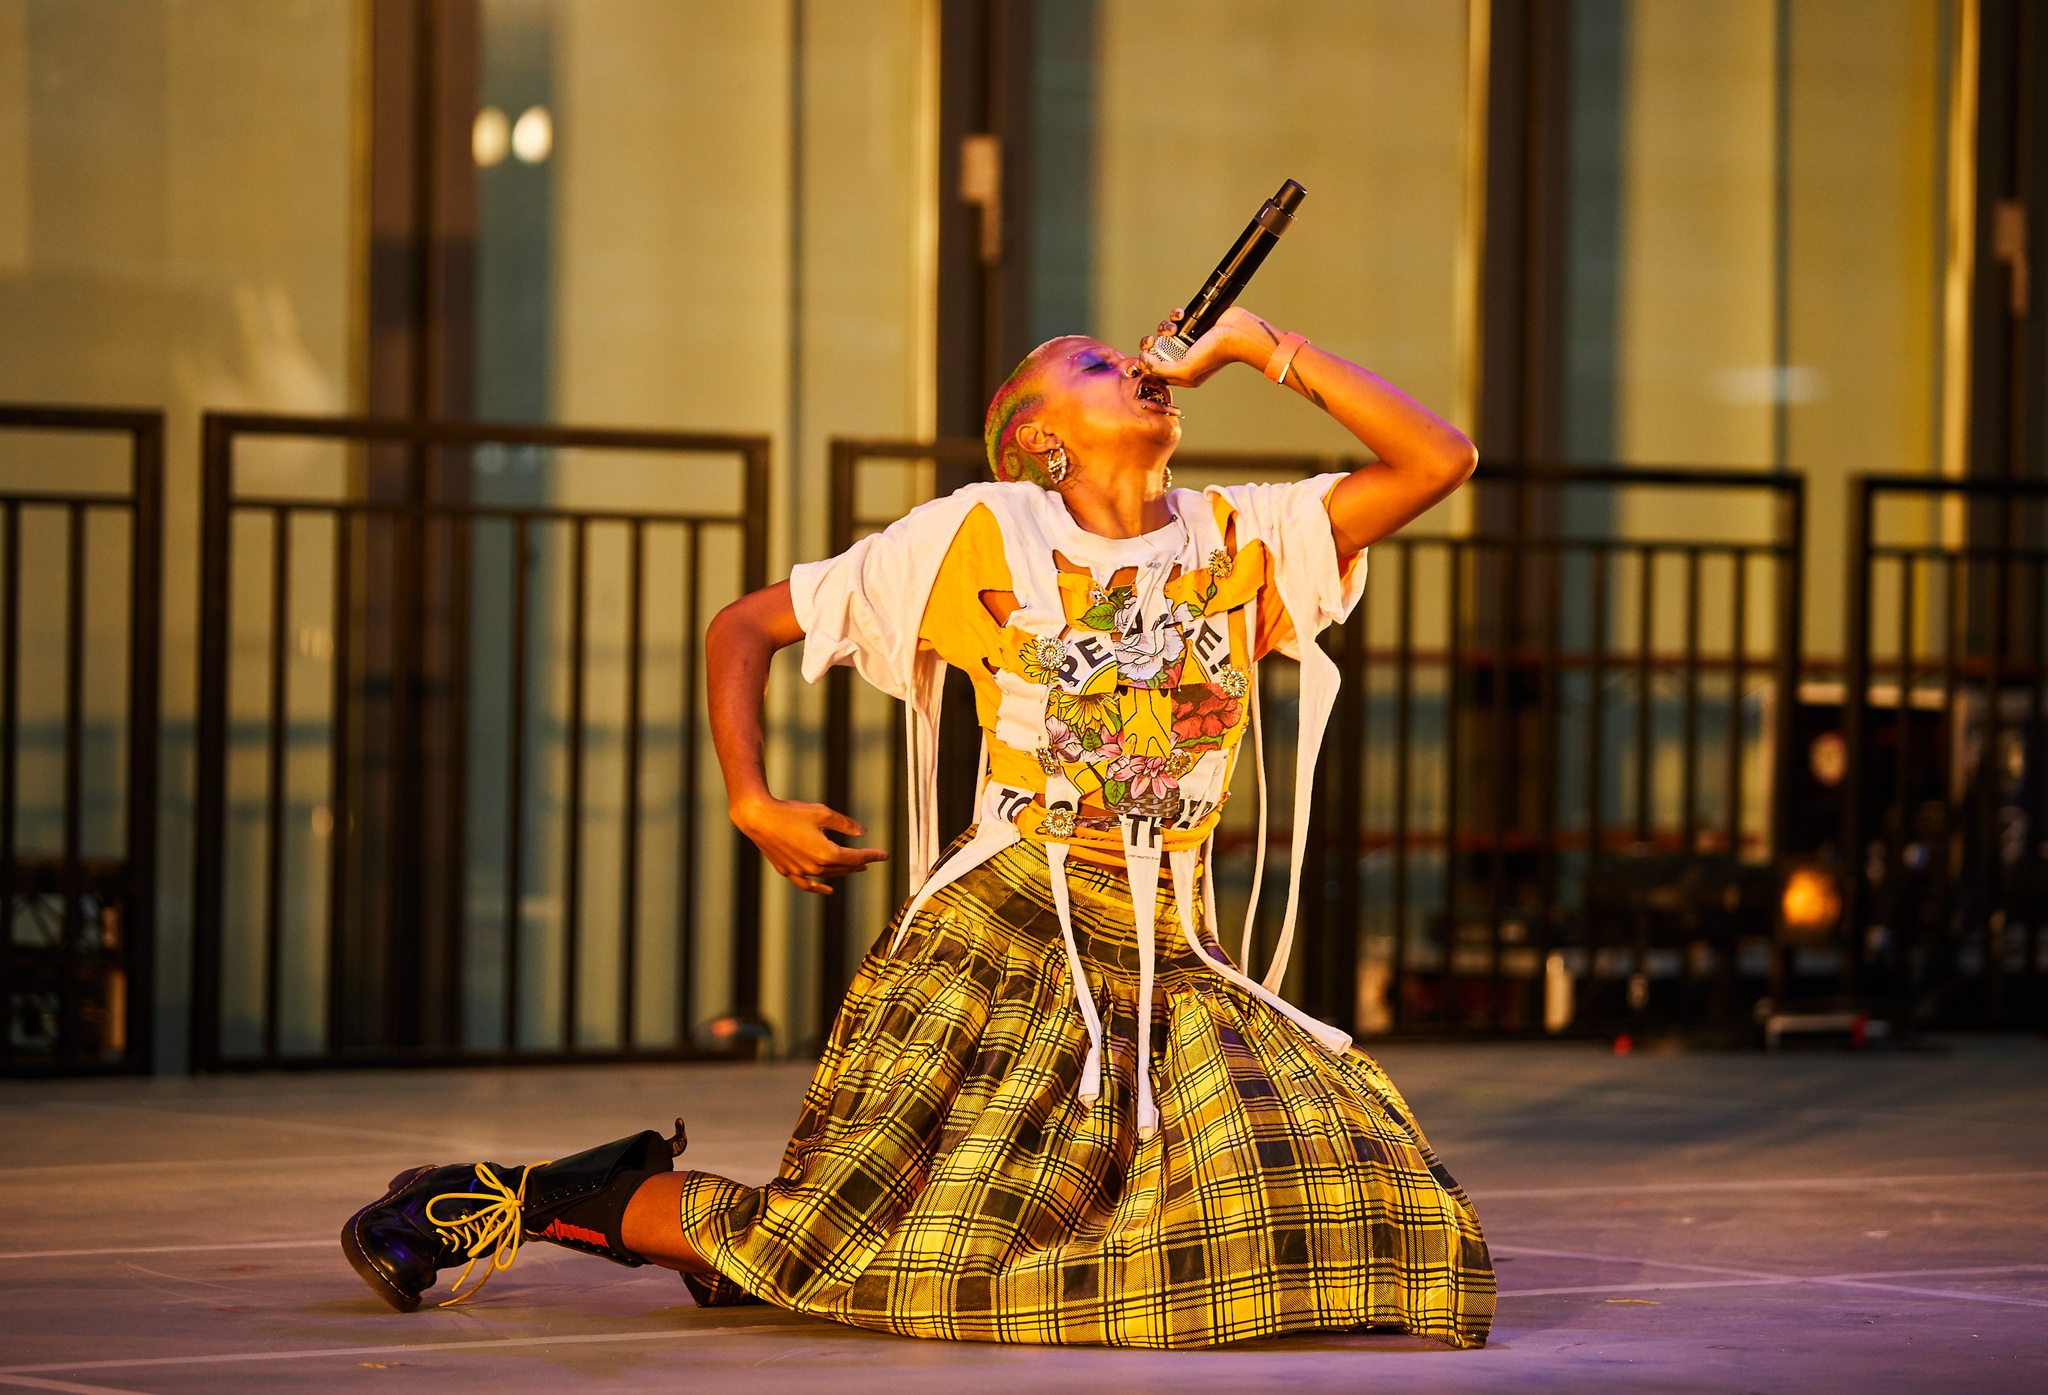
point(945, 1181)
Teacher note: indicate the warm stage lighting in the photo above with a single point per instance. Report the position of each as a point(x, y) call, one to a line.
point(1810, 905)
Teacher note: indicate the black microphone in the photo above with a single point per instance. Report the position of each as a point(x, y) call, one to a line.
point(1232, 274)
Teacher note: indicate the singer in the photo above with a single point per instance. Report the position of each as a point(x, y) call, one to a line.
point(1054, 1108)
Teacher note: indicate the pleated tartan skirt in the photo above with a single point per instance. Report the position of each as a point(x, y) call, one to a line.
point(945, 1180)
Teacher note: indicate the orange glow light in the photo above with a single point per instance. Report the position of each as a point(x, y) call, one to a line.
point(1811, 902)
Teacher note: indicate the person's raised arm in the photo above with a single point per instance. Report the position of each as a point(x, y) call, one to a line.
point(737, 648)
point(1422, 457)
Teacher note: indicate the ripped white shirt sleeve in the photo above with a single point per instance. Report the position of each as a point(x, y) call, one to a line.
point(1293, 521)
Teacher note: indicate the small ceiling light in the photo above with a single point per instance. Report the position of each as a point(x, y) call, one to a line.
point(490, 137)
point(533, 135)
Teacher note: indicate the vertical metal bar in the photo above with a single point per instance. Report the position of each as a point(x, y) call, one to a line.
point(1731, 756)
point(1689, 783)
point(1550, 725)
point(899, 803)
point(1991, 770)
point(629, 871)
point(1646, 632)
point(838, 750)
point(10, 729)
point(2036, 703)
point(515, 784)
point(1899, 913)
point(746, 920)
point(69, 1022)
point(572, 835)
point(1726, 953)
point(209, 805)
point(1404, 710)
point(399, 973)
point(1360, 812)
point(1855, 712)
point(1343, 949)
point(2031, 797)
point(274, 832)
point(1453, 661)
point(1596, 697)
point(145, 641)
point(1791, 639)
point(1956, 604)
point(338, 819)
point(686, 813)
point(1646, 705)
point(1508, 561)
point(454, 832)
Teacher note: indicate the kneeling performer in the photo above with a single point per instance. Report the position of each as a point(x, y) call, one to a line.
point(1053, 1109)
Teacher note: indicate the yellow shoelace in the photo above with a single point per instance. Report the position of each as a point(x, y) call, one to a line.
point(493, 1226)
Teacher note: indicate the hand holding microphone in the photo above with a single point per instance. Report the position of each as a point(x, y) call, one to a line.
point(1180, 332)
point(1238, 336)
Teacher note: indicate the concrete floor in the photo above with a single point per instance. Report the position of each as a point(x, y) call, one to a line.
point(1804, 1222)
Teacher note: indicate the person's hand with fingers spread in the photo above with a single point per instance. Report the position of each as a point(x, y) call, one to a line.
point(790, 833)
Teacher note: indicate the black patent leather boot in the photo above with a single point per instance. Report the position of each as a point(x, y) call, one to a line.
point(434, 1218)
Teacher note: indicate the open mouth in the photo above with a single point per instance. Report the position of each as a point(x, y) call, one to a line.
point(1153, 391)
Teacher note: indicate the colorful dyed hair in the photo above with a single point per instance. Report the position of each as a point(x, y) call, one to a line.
point(1015, 403)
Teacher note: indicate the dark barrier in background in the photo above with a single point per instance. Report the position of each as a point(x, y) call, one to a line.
point(1941, 798)
point(1553, 794)
point(1474, 869)
point(953, 462)
point(429, 715)
point(77, 923)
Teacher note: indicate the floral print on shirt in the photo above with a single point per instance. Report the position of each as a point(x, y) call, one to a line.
point(1130, 708)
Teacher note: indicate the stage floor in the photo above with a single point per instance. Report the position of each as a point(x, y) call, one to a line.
point(1804, 1222)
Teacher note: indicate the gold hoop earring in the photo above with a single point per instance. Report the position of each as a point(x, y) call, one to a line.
point(1057, 465)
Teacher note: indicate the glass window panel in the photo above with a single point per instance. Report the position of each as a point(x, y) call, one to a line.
point(1363, 101)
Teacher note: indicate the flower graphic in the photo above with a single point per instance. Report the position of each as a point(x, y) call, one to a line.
point(1083, 712)
point(1061, 739)
point(1202, 714)
point(1145, 654)
point(1042, 660)
point(1144, 777)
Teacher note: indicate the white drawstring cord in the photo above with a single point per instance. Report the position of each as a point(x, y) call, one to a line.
point(1091, 1069)
point(1183, 862)
point(1257, 736)
point(1143, 868)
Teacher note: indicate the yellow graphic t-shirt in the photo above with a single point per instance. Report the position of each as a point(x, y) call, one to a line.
point(1131, 707)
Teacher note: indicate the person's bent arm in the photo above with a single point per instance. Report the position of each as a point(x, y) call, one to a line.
point(1422, 457)
point(737, 648)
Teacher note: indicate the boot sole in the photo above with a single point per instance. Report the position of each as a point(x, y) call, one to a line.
point(359, 1260)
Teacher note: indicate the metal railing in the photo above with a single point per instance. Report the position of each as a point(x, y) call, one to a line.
point(1553, 770)
point(1942, 797)
point(405, 780)
point(78, 903)
point(1490, 857)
